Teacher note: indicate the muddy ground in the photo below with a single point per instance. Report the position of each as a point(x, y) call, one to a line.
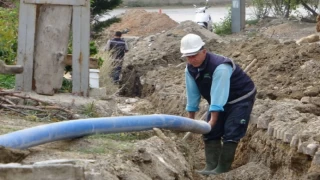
point(282, 141)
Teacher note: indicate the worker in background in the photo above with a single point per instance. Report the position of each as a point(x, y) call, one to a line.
point(230, 93)
point(117, 47)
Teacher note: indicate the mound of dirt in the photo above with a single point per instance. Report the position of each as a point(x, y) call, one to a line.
point(139, 22)
point(154, 52)
point(286, 29)
point(283, 69)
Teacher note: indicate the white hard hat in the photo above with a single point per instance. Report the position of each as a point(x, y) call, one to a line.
point(190, 45)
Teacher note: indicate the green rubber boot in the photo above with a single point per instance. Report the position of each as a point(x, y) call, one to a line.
point(212, 151)
point(226, 158)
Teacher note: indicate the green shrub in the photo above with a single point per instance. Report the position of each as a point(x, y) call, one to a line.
point(8, 34)
point(93, 48)
point(90, 110)
point(223, 27)
point(66, 86)
point(7, 81)
point(261, 8)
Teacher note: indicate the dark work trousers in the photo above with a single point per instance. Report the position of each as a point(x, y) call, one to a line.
point(116, 70)
point(232, 123)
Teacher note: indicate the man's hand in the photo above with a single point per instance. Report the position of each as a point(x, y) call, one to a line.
point(213, 119)
point(191, 115)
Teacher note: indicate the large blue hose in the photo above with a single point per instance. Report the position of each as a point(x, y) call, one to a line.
point(77, 128)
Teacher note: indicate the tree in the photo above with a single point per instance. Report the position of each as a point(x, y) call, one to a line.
point(100, 8)
point(283, 8)
point(309, 5)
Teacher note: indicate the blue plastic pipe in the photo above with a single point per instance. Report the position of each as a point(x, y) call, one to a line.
point(34, 136)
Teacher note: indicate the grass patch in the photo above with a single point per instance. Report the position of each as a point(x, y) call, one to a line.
point(223, 27)
point(94, 150)
point(105, 79)
point(109, 143)
point(90, 110)
point(5, 129)
point(7, 81)
point(66, 86)
point(122, 136)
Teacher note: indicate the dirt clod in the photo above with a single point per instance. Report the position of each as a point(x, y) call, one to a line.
point(8, 155)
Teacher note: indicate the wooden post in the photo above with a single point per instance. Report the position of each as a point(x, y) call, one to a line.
point(80, 49)
point(50, 48)
point(53, 29)
point(27, 24)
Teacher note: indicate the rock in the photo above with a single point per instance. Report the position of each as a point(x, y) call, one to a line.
point(48, 172)
point(294, 141)
point(305, 100)
point(315, 101)
point(311, 149)
point(302, 147)
point(316, 158)
point(56, 161)
point(131, 100)
point(64, 161)
point(311, 91)
point(309, 39)
point(287, 42)
point(236, 54)
point(263, 121)
point(150, 38)
point(250, 57)
point(270, 130)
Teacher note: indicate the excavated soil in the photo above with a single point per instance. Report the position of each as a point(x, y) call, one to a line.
point(139, 22)
point(283, 70)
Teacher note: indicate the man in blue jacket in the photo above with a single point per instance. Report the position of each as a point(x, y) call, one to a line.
point(117, 47)
point(230, 93)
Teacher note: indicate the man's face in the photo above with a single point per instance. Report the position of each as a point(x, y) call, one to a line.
point(197, 60)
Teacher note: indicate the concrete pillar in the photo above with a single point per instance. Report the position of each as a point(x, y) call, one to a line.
point(238, 14)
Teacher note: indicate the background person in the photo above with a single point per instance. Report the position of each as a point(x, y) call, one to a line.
point(117, 47)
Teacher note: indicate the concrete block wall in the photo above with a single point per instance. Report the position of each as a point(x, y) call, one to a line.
point(45, 171)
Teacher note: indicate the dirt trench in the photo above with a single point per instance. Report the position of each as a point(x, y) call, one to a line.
point(274, 147)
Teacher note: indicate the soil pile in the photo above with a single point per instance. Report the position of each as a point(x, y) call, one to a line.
point(284, 29)
point(139, 22)
point(155, 52)
point(284, 70)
